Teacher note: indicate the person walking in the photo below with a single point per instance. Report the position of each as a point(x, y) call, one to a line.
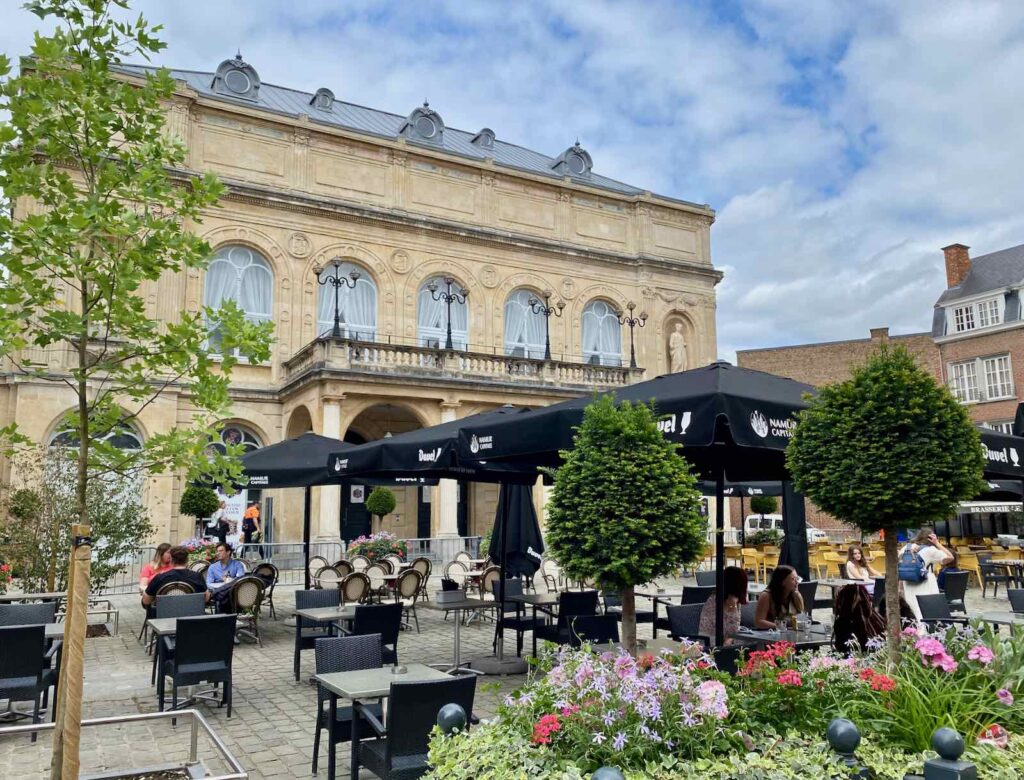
point(931, 553)
point(251, 529)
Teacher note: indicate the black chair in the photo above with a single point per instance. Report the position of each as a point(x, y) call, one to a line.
point(308, 631)
point(1016, 599)
point(956, 590)
point(878, 595)
point(383, 619)
point(27, 668)
point(935, 611)
point(204, 648)
point(571, 603)
point(595, 629)
point(748, 614)
point(342, 654)
point(993, 575)
point(705, 578)
point(268, 572)
point(400, 750)
point(684, 623)
point(696, 594)
point(727, 658)
point(37, 613)
point(520, 623)
point(178, 605)
point(613, 605)
point(809, 594)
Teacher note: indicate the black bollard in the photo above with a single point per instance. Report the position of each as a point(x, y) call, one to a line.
point(948, 766)
point(844, 738)
point(451, 718)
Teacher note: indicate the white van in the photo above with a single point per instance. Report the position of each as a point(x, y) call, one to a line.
point(754, 523)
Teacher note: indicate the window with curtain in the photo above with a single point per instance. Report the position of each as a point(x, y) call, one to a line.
point(357, 307)
point(524, 328)
point(432, 317)
point(61, 470)
point(602, 335)
point(242, 275)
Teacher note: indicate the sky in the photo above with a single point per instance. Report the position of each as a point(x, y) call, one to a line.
point(842, 144)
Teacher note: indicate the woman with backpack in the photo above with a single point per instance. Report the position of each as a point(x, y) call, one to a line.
point(917, 562)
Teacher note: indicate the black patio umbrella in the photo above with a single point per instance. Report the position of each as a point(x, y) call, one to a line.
point(1004, 455)
point(745, 489)
point(731, 422)
point(516, 539)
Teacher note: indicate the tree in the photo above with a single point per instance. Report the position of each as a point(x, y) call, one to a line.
point(199, 501)
point(380, 502)
point(889, 448)
point(764, 505)
point(625, 508)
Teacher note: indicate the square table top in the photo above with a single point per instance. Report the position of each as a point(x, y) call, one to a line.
point(54, 631)
point(841, 582)
point(169, 626)
point(375, 683)
point(1004, 618)
point(9, 598)
point(804, 637)
point(444, 606)
point(326, 614)
point(660, 593)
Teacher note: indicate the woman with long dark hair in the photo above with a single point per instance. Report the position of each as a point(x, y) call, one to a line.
point(857, 567)
point(856, 619)
point(735, 597)
point(780, 600)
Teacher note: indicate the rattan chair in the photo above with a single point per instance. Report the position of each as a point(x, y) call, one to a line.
point(489, 581)
point(935, 611)
point(570, 604)
point(520, 623)
point(268, 572)
point(308, 631)
point(27, 668)
point(246, 597)
point(342, 654)
point(424, 567)
point(383, 619)
point(595, 629)
point(343, 567)
point(385, 564)
point(1016, 596)
point(456, 571)
point(705, 578)
point(684, 623)
point(359, 562)
point(181, 605)
point(407, 591)
point(355, 588)
point(328, 577)
point(463, 556)
point(376, 572)
point(395, 561)
point(38, 613)
point(956, 590)
point(316, 563)
point(203, 653)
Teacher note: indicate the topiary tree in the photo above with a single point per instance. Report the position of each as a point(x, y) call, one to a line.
point(625, 508)
point(380, 502)
point(199, 501)
point(761, 505)
point(889, 448)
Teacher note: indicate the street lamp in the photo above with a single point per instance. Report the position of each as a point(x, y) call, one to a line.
point(337, 281)
point(537, 308)
point(449, 298)
point(632, 322)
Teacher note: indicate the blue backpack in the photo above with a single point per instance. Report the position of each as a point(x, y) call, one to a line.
point(911, 567)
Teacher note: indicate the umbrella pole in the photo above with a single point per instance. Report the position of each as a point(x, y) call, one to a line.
point(501, 580)
point(307, 499)
point(719, 556)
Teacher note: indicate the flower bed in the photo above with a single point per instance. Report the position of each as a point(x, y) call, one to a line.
point(378, 545)
point(200, 549)
point(676, 715)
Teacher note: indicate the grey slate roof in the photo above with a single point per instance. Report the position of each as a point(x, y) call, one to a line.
point(994, 271)
point(360, 119)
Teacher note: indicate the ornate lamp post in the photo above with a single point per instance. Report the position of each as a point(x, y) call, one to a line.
point(537, 308)
point(449, 298)
point(632, 322)
point(337, 281)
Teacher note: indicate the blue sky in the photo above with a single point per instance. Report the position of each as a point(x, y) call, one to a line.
point(842, 144)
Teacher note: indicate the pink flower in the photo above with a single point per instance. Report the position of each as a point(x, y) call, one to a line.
point(790, 677)
point(945, 662)
point(1005, 697)
point(910, 631)
point(981, 654)
point(929, 647)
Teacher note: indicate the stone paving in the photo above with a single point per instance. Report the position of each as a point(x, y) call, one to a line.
point(271, 728)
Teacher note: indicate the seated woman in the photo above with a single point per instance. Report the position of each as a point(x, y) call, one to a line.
point(856, 620)
point(952, 566)
point(161, 562)
point(735, 596)
point(857, 567)
point(780, 600)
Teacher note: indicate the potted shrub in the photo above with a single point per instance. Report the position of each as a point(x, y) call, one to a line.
point(379, 503)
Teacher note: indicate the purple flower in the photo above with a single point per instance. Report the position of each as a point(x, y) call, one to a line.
point(1005, 697)
point(609, 718)
point(599, 738)
point(620, 741)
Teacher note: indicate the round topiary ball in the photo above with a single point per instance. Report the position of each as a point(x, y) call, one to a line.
point(948, 743)
point(607, 773)
point(843, 735)
point(451, 718)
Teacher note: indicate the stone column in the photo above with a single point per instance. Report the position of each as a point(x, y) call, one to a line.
point(327, 527)
point(446, 494)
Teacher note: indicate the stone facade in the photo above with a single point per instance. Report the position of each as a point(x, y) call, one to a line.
point(301, 194)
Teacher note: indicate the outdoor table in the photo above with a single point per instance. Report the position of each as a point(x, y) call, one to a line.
point(53, 631)
point(806, 638)
point(458, 607)
point(477, 563)
point(161, 627)
point(364, 684)
point(1003, 618)
point(12, 598)
point(327, 614)
point(651, 646)
point(836, 583)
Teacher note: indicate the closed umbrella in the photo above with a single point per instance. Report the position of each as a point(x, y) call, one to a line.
point(516, 539)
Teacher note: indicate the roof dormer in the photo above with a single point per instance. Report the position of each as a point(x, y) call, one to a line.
point(574, 161)
point(424, 124)
point(484, 139)
point(323, 99)
point(236, 78)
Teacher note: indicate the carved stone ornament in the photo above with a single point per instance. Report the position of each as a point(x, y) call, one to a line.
point(400, 262)
point(299, 245)
point(689, 300)
point(489, 277)
point(568, 288)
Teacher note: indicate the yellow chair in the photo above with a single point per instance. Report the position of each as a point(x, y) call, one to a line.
point(754, 560)
point(969, 562)
point(834, 564)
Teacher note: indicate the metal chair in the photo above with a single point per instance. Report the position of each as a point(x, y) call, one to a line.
point(354, 588)
point(570, 604)
point(595, 629)
point(407, 590)
point(375, 572)
point(27, 668)
point(551, 573)
point(342, 654)
point(684, 623)
point(308, 631)
point(246, 597)
point(956, 590)
point(269, 573)
point(383, 619)
point(359, 562)
point(204, 649)
point(992, 575)
point(935, 611)
point(316, 563)
point(400, 750)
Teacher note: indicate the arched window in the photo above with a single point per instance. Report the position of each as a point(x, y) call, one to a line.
point(123, 479)
point(602, 336)
point(123, 438)
point(233, 433)
point(524, 328)
point(357, 307)
point(432, 316)
point(239, 274)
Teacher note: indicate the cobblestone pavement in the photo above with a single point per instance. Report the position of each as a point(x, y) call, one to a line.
point(271, 728)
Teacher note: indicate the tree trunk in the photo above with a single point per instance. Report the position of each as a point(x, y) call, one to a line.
point(629, 620)
point(892, 592)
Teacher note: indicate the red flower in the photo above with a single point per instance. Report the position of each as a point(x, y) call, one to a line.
point(881, 682)
point(790, 677)
point(867, 674)
point(544, 728)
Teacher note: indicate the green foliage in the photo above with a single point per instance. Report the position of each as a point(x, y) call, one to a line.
point(380, 502)
point(887, 448)
point(199, 501)
point(40, 510)
point(95, 212)
point(624, 508)
point(377, 545)
point(485, 543)
point(767, 536)
point(764, 505)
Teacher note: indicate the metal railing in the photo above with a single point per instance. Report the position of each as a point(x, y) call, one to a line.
point(440, 550)
point(197, 723)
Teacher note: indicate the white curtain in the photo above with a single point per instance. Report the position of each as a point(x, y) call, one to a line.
point(239, 274)
point(432, 317)
point(602, 335)
point(524, 328)
point(357, 308)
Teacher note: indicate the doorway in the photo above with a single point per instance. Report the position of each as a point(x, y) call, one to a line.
point(356, 521)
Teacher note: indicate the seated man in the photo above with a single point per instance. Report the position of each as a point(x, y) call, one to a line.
point(177, 573)
point(221, 574)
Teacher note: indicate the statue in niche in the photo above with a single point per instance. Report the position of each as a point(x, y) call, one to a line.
point(677, 349)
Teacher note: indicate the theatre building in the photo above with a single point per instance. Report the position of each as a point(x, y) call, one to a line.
point(544, 260)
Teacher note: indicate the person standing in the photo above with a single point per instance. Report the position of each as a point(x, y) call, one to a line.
point(219, 525)
point(251, 529)
point(932, 553)
point(222, 572)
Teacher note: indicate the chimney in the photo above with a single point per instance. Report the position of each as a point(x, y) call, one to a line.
point(880, 335)
point(958, 263)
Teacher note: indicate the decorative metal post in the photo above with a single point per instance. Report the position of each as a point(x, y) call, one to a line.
point(336, 280)
point(632, 322)
point(547, 310)
point(449, 298)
